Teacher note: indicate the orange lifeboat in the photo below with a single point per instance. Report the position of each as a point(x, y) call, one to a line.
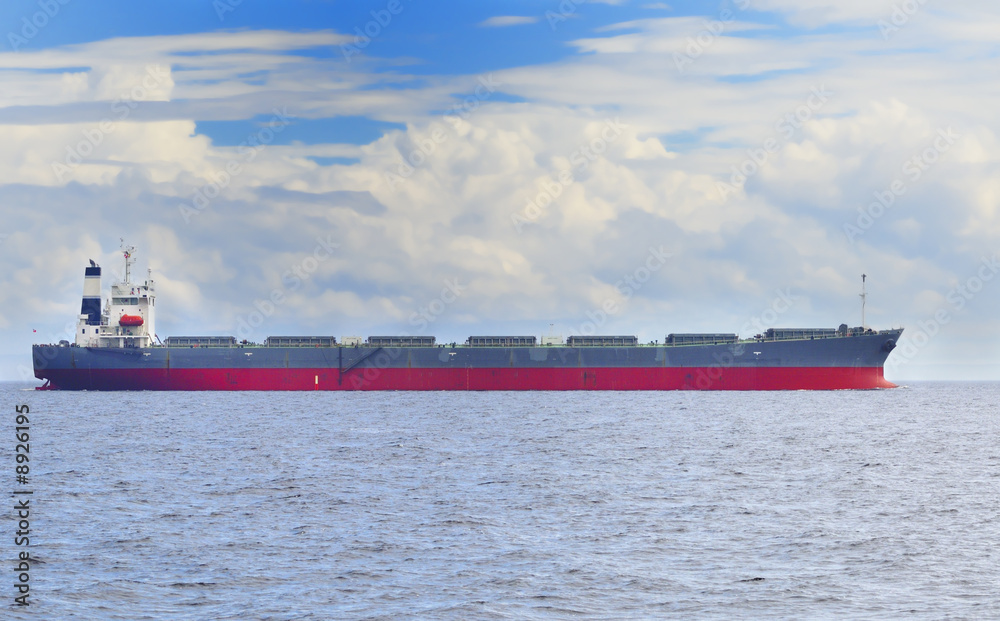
point(130, 320)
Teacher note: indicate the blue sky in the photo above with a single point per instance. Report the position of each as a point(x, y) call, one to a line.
point(437, 37)
point(537, 156)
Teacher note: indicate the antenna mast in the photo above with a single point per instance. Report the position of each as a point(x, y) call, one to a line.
point(864, 297)
point(128, 251)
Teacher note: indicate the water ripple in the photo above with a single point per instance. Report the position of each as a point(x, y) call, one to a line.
point(793, 505)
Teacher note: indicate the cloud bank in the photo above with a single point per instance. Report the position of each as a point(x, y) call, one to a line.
point(746, 158)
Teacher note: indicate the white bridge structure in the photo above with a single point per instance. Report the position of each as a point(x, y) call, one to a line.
point(128, 318)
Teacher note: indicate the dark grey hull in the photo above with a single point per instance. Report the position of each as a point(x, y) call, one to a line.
point(840, 362)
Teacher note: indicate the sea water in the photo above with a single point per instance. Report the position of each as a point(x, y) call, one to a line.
point(535, 505)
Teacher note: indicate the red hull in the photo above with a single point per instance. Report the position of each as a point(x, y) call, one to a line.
point(619, 378)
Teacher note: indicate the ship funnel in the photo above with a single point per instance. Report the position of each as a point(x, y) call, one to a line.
point(92, 295)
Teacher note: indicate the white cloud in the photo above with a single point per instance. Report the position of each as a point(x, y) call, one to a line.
point(974, 15)
point(452, 217)
point(817, 13)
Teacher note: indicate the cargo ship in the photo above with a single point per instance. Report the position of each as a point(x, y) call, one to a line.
point(116, 348)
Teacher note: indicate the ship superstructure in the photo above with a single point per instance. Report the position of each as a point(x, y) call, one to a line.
point(128, 319)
